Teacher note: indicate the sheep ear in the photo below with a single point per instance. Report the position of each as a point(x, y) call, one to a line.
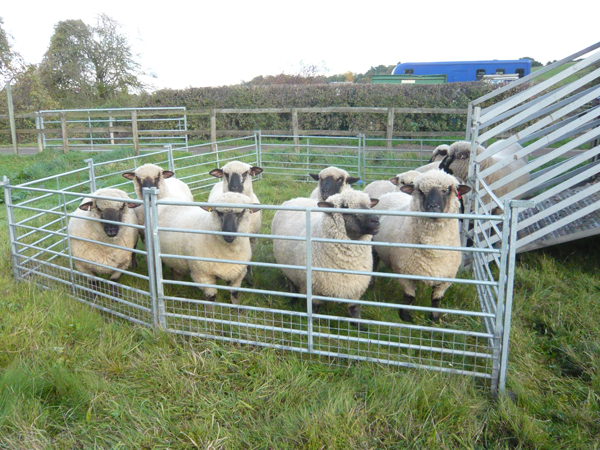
point(216, 173)
point(133, 205)
point(167, 174)
point(325, 205)
point(315, 176)
point(254, 210)
point(374, 201)
point(463, 189)
point(86, 206)
point(255, 171)
point(206, 208)
point(129, 175)
point(352, 180)
point(394, 181)
point(408, 189)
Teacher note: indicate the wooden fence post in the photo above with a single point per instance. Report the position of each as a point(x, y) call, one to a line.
point(390, 128)
point(38, 127)
point(65, 137)
point(134, 130)
point(213, 129)
point(11, 118)
point(295, 130)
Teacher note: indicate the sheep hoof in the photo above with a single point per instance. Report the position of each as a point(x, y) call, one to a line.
point(405, 315)
point(435, 316)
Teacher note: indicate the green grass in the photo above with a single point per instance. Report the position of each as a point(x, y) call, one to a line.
point(71, 377)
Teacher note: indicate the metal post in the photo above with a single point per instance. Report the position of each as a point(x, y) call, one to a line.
point(185, 129)
point(11, 118)
point(500, 302)
point(10, 217)
point(213, 128)
point(110, 132)
point(309, 302)
point(513, 206)
point(155, 287)
point(91, 132)
point(295, 129)
point(390, 128)
point(42, 128)
point(170, 157)
point(66, 222)
point(90, 163)
point(359, 156)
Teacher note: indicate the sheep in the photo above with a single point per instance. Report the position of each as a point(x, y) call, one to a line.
point(434, 192)
point(151, 175)
point(458, 163)
point(237, 177)
point(226, 219)
point(439, 153)
point(377, 189)
point(96, 253)
point(346, 256)
point(332, 180)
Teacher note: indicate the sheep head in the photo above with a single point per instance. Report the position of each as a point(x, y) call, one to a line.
point(436, 192)
point(231, 220)
point(148, 176)
point(333, 180)
point(355, 225)
point(236, 175)
point(109, 210)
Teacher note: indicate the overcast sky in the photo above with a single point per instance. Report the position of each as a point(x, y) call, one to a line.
point(200, 43)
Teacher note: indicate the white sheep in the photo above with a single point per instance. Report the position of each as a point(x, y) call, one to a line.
point(332, 180)
point(439, 153)
point(95, 253)
point(151, 175)
point(379, 189)
point(458, 164)
point(237, 177)
point(435, 192)
point(226, 219)
point(345, 256)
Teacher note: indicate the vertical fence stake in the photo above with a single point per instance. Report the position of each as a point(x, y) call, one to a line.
point(65, 137)
point(153, 255)
point(390, 127)
point(10, 218)
point(170, 157)
point(38, 127)
point(309, 301)
point(213, 129)
point(295, 130)
point(11, 119)
point(258, 148)
point(135, 133)
point(92, 172)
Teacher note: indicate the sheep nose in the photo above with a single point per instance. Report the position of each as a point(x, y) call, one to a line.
point(433, 207)
point(229, 238)
point(111, 230)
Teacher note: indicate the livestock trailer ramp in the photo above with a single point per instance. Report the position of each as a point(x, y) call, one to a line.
point(553, 126)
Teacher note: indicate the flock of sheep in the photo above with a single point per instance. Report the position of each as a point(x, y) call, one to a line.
point(362, 240)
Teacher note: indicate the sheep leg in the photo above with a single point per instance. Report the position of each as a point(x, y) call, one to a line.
point(436, 296)
point(114, 289)
point(236, 283)
point(354, 311)
point(294, 290)
point(405, 314)
point(376, 260)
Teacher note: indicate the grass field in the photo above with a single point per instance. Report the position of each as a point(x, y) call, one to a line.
point(73, 378)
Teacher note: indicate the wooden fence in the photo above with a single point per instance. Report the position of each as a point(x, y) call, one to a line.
point(67, 130)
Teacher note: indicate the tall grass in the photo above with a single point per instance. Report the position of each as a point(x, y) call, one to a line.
point(73, 378)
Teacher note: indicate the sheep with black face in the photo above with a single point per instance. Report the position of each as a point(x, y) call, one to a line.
point(223, 246)
point(237, 177)
point(332, 180)
point(432, 192)
point(339, 255)
point(117, 210)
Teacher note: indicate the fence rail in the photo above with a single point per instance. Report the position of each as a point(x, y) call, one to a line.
point(77, 128)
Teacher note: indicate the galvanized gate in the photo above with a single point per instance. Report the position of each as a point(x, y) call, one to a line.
point(472, 339)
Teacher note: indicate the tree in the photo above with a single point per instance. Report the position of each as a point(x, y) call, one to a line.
point(91, 62)
point(11, 62)
point(534, 63)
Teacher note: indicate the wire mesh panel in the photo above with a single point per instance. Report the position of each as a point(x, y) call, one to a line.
point(297, 157)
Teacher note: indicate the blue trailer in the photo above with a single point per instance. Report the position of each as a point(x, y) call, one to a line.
point(456, 71)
